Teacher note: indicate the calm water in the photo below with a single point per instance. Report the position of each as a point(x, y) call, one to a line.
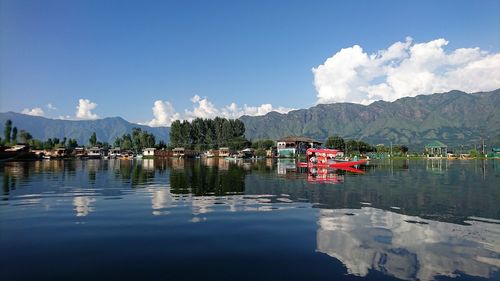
point(219, 220)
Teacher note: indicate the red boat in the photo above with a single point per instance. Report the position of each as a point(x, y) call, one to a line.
point(326, 158)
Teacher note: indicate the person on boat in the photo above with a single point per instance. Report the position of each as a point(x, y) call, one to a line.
point(313, 159)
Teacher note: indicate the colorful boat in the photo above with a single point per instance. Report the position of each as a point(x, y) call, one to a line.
point(327, 158)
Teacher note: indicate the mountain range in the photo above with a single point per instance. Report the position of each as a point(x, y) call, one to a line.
point(107, 129)
point(455, 118)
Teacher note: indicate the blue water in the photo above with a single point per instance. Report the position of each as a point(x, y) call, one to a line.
point(262, 220)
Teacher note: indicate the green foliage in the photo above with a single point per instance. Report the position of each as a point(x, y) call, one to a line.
point(263, 144)
point(203, 134)
point(7, 130)
point(137, 141)
point(335, 142)
point(72, 143)
point(14, 135)
point(93, 139)
point(25, 136)
point(354, 146)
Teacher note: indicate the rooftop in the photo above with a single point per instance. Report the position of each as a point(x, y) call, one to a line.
point(435, 143)
point(298, 139)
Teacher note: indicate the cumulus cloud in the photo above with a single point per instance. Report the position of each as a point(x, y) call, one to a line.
point(203, 108)
point(164, 114)
point(404, 69)
point(84, 109)
point(36, 111)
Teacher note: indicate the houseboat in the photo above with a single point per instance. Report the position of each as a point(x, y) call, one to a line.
point(95, 152)
point(224, 152)
point(292, 146)
point(328, 158)
point(115, 152)
point(178, 152)
point(148, 152)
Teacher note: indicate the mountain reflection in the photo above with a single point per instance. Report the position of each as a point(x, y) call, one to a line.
point(408, 247)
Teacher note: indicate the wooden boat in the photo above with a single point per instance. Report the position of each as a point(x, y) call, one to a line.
point(326, 158)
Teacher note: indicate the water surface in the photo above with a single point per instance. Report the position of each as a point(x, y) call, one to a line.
point(260, 220)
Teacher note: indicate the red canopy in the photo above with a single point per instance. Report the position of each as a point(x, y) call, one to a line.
point(322, 152)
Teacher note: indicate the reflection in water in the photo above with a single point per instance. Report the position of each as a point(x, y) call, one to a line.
point(83, 205)
point(408, 247)
point(426, 219)
point(161, 199)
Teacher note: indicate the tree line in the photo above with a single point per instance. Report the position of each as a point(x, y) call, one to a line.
point(11, 136)
point(204, 134)
point(137, 141)
point(355, 146)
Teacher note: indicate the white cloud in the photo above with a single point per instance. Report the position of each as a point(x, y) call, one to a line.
point(36, 111)
point(84, 109)
point(51, 107)
point(164, 114)
point(203, 108)
point(404, 69)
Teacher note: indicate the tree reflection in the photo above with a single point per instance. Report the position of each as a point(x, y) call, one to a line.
point(199, 179)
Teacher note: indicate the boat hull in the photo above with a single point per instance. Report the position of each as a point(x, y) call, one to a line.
point(334, 165)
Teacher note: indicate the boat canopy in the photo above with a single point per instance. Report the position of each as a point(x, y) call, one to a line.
point(322, 152)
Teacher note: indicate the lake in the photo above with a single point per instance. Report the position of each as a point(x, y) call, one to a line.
point(214, 219)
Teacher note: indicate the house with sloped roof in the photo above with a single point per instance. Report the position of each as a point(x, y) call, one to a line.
point(292, 146)
point(436, 149)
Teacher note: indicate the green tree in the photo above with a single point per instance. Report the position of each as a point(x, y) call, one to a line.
point(336, 142)
point(175, 133)
point(72, 143)
point(25, 136)
point(93, 139)
point(14, 135)
point(49, 144)
point(118, 142)
point(6, 131)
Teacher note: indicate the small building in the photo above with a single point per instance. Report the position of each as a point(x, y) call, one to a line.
point(496, 152)
point(95, 152)
point(148, 152)
point(61, 152)
point(247, 153)
point(80, 152)
point(115, 152)
point(271, 153)
point(224, 152)
point(292, 146)
point(178, 152)
point(163, 153)
point(436, 149)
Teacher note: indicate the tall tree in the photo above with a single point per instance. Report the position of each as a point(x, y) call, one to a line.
point(7, 130)
point(335, 142)
point(175, 133)
point(72, 143)
point(25, 136)
point(14, 135)
point(93, 139)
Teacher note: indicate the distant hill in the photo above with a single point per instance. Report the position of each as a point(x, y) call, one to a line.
point(106, 129)
point(455, 118)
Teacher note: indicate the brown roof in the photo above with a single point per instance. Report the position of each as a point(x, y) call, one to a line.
point(298, 139)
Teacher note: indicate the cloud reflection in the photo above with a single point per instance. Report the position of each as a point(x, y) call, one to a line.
point(406, 247)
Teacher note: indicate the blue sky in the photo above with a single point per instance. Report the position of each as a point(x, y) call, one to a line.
point(125, 55)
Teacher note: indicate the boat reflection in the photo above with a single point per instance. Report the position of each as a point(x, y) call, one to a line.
point(408, 247)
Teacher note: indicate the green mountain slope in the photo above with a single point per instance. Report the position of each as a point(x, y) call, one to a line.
point(455, 118)
point(106, 129)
